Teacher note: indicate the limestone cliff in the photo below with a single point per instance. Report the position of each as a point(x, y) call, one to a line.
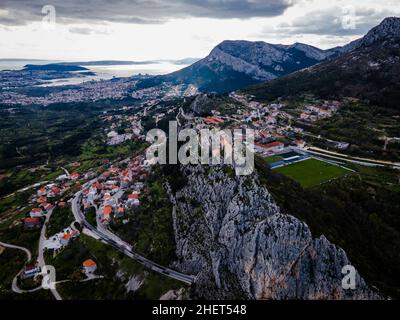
point(232, 234)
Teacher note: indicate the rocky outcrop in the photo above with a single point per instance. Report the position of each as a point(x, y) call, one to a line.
point(386, 34)
point(238, 65)
point(230, 232)
point(232, 65)
point(179, 294)
point(134, 283)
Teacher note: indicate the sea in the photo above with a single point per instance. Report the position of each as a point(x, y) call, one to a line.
point(103, 72)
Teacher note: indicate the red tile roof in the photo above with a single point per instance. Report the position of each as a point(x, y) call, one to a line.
point(270, 145)
point(213, 120)
point(41, 199)
point(107, 210)
point(56, 189)
point(97, 185)
point(89, 263)
point(67, 236)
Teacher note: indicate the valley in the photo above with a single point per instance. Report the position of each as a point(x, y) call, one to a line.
point(78, 193)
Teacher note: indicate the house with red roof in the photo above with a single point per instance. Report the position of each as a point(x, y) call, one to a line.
point(48, 207)
point(31, 223)
point(133, 201)
point(97, 186)
point(134, 195)
point(264, 133)
point(36, 212)
point(125, 182)
point(65, 239)
point(107, 211)
point(41, 199)
point(54, 191)
point(120, 212)
point(213, 120)
point(75, 176)
point(30, 271)
point(300, 143)
point(89, 266)
point(272, 147)
point(42, 192)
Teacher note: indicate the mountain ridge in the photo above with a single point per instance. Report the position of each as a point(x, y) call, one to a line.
point(234, 64)
point(368, 70)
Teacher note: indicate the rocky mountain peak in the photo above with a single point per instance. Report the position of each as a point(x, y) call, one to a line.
point(268, 57)
point(388, 30)
point(235, 64)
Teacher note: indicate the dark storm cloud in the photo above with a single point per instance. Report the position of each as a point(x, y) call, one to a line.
point(21, 12)
point(330, 22)
point(12, 18)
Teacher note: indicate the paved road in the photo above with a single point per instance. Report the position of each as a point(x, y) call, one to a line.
point(41, 260)
point(14, 286)
point(11, 246)
point(114, 241)
point(347, 158)
point(66, 172)
point(26, 188)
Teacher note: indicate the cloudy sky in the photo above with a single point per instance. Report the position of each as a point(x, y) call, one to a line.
point(175, 29)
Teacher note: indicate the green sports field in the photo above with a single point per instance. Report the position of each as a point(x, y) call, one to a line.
point(312, 172)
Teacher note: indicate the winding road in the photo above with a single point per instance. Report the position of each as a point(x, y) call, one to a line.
point(41, 260)
point(113, 240)
point(36, 185)
point(14, 286)
point(66, 172)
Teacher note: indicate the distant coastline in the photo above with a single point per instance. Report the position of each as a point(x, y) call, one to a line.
point(95, 70)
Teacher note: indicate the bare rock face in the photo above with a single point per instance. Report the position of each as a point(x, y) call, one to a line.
point(231, 233)
point(134, 283)
point(233, 65)
point(386, 33)
point(239, 65)
point(174, 295)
